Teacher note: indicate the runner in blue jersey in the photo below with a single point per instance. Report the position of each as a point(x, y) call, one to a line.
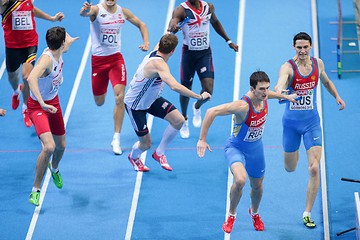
point(244, 150)
point(301, 75)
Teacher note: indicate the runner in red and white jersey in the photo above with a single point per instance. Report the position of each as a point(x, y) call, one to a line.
point(18, 23)
point(106, 21)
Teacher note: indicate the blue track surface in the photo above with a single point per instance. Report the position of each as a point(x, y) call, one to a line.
point(189, 202)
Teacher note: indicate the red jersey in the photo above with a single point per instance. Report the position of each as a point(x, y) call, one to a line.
point(19, 24)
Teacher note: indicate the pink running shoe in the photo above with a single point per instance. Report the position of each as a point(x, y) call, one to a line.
point(228, 224)
point(138, 165)
point(258, 223)
point(162, 160)
point(15, 98)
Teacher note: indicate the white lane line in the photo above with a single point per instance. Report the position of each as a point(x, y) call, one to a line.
point(238, 60)
point(139, 175)
point(66, 118)
point(319, 106)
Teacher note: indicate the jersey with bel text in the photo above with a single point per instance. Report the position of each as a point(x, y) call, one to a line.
point(19, 24)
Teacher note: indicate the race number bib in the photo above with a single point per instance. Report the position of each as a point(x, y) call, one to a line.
point(198, 41)
point(254, 133)
point(21, 20)
point(56, 84)
point(305, 103)
point(109, 37)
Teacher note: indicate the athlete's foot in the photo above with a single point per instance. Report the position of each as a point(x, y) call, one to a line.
point(115, 144)
point(184, 131)
point(228, 224)
point(15, 98)
point(197, 117)
point(27, 120)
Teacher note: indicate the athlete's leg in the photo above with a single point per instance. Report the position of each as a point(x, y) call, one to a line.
point(119, 90)
point(207, 85)
point(60, 144)
point(314, 156)
point(26, 69)
point(14, 78)
point(48, 147)
point(290, 160)
point(256, 193)
point(239, 173)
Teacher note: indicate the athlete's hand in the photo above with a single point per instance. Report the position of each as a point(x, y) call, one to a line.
point(49, 108)
point(201, 148)
point(234, 46)
point(340, 102)
point(205, 96)
point(291, 97)
point(144, 47)
point(58, 17)
point(2, 112)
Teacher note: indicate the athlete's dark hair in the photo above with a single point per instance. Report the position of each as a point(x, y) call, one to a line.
point(167, 43)
point(258, 76)
point(302, 36)
point(55, 37)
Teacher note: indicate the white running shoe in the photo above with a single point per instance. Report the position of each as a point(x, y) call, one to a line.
point(116, 147)
point(197, 117)
point(184, 131)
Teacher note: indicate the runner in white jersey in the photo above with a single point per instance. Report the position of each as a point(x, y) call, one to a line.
point(50, 84)
point(144, 96)
point(106, 21)
point(196, 52)
point(44, 107)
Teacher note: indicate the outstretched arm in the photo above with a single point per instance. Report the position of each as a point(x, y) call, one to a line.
point(40, 14)
point(329, 85)
point(68, 41)
point(220, 30)
point(160, 68)
point(177, 16)
point(239, 108)
point(142, 27)
point(285, 73)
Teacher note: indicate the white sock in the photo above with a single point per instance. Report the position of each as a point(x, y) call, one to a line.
point(168, 136)
point(306, 214)
point(230, 214)
point(34, 189)
point(135, 151)
point(116, 136)
point(24, 107)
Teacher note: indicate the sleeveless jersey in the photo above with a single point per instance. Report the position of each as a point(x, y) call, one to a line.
point(304, 86)
point(197, 30)
point(106, 32)
point(49, 85)
point(144, 91)
point(252, 128)
point(19, 25)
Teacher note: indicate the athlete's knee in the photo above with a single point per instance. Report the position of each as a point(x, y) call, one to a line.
point(99, 101)
point(239, 182)
point(49, 148)
point(178, 123)
point(119, 99)
point(314, 169)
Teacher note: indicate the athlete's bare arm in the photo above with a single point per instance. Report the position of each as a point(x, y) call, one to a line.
point(329, 85)
point(219, 28)
point(285, 73)
point(142, 27)
point(88, 10)
point(41, 69)
point(177, 16)
point(239, 108)
point(40, 14)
